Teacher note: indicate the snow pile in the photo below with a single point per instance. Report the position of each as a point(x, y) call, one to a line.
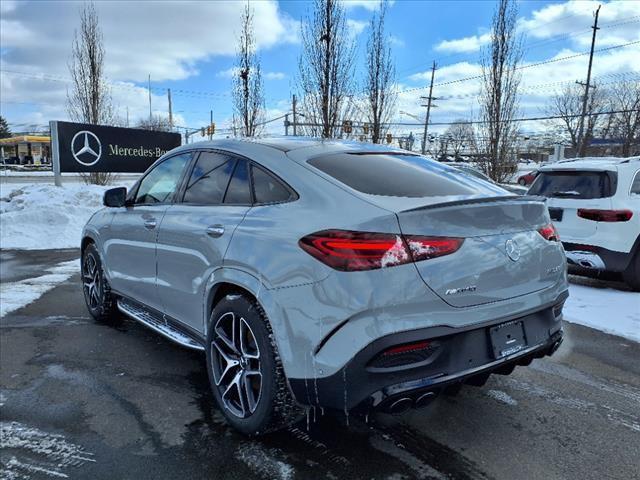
point(605, 309)
point(40, 216)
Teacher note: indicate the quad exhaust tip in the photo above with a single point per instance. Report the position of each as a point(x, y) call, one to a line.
point(424, 399)
point(400, 406)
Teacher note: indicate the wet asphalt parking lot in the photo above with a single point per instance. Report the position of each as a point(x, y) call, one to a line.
point(80, 399)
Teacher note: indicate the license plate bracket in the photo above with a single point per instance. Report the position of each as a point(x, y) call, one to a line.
point(507, 338)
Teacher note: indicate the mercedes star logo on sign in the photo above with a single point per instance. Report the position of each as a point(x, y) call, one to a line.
point(513, 250)
point(86, 148)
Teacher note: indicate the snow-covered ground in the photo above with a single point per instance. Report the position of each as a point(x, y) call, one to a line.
point(42, 216)
point(16, 295)
point(610, 310)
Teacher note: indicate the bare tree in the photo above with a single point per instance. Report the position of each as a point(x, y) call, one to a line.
point(156, 123)
point(248, 96)
point(89, 100)
point(499, 96)
point(567, 104)
point(625, 126)
point(461, 136)
point(381, 99)
point(439, 147)
point(326, 68)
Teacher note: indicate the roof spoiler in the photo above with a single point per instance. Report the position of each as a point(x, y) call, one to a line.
point(474, 201)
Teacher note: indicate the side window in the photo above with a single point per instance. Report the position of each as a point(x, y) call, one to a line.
point(159, 185)
point(635, 185)
point(267, 189)
point(209, 179)
point(239, 191)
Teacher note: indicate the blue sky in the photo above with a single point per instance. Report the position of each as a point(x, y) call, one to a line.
point(189, 47)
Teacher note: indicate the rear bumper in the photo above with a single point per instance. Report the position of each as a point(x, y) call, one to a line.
point(594, 258)
point(460, 355)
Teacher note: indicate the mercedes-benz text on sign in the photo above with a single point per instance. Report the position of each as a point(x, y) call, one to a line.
point(94, 148)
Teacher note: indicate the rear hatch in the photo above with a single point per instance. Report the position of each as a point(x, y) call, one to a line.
point(431, 199)
point(570, 190)
point(503, 256)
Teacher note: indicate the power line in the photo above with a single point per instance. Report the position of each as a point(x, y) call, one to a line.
point(523, 67)
point(527, 119)
point(534, 45)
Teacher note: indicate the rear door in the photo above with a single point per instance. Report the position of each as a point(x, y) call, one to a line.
point(570, 190)
point(196, 231)
point(130, 246)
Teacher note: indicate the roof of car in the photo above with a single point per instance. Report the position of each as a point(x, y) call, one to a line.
point(590, 163)
point(288, 144)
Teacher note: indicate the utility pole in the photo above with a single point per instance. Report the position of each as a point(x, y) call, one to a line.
point(286, 124)
point(295, 119)
point(210, 124)
point(149, 90)
point(582, 148)
point(170, 110)
point(428, 105)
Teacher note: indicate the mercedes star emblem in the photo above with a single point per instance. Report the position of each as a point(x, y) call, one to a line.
point(513, 250)
point(86, 148)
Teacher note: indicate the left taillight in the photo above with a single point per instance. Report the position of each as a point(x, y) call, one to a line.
point(549, 232)
point(347, 250)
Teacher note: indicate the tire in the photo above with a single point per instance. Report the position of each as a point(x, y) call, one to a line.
point(97, 294)
point(522, 182)
point(632, 274)
point(267, 403)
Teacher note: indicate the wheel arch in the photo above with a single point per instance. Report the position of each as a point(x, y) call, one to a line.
point(86, 240)
point(228, 280)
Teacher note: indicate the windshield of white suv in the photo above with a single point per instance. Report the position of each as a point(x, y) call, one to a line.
point(571, 184)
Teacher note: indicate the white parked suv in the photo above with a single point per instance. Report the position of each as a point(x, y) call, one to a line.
point(595, 206)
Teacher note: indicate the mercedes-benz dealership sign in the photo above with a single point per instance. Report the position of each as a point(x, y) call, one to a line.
point(81, 147)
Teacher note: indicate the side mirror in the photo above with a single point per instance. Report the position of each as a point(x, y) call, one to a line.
point(115, 197)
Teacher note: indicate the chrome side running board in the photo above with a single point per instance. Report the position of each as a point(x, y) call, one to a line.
point(158, 324)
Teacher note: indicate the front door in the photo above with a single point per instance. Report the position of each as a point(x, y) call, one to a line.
point(196, 231)
point(130, 247)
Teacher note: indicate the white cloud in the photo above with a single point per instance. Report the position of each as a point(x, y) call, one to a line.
point(464, 45)
point(370, 5)
point(275, 75)
point(561, 24)
point(355, 27)
point(396, 41)
point(164, 39)
point(228, 73)
point(573, 19)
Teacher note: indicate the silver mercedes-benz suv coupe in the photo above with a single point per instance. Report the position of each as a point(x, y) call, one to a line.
point(327, 274)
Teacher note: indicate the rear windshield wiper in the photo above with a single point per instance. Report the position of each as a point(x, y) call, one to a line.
point(570, 193)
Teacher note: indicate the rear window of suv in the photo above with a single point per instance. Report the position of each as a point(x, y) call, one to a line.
point(572, 184)
point(398, 175)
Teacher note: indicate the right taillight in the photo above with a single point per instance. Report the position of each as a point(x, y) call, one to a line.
point(347, 251)
point(549, 232)
point(605, 215)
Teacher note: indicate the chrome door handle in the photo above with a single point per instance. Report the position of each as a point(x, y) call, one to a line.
point(215, 231)
point(150, 224)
